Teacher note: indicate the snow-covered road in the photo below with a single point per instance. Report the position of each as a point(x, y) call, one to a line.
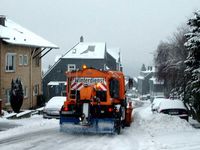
point(147, 132)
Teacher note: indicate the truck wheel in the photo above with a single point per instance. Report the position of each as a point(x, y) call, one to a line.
point(118, 125)
point(123, 124)
point(118, 130)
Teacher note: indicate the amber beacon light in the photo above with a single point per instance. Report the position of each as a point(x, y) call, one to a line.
point(84, 66)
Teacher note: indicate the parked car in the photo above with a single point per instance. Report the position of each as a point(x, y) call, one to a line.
point(156, 102)
point(157, 96)
point(53, 106)
point(145, 97)
point(173, 107)
point(131, 95)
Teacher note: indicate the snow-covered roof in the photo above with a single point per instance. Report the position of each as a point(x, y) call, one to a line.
point(56, 82)
point(114, 52)
point(155, 81)
point(86, 50)
point(57, 58)
point(136, 79)
point(15, 34)
point(141, 77)
point(147, 71)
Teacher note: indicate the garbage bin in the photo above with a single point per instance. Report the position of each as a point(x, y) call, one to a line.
point(0, 107)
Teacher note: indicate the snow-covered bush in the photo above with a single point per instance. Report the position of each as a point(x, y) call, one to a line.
point(16, 95)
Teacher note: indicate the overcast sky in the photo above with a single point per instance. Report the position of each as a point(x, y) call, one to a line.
point(134, 26)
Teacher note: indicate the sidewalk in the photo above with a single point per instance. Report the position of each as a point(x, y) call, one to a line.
point(194, 123)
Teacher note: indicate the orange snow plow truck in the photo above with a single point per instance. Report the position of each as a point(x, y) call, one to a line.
point(95, 102)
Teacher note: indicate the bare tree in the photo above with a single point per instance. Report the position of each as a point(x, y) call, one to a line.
point(169, 59)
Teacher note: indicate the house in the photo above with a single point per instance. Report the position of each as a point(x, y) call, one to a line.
point(92, 54)
point(148, 83)
point(143, 81)
point(129, 83)
point(156, 86)
point(21, 52)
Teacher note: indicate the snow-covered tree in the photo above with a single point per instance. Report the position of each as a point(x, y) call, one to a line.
point(169, 60)
point(16, 95)
point(193, 60)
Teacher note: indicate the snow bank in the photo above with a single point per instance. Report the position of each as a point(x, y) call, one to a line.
point(161, 123)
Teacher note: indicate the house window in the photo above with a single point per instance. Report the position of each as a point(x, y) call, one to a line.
point(36, 90)
point(25, 60)
point(25, 90)
point(63, 93)
point(7, 95)
point(74, 51)
point(20, 60)
point(10, 62)
point(71, 67)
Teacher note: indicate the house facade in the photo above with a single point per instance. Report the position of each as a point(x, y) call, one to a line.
point(143, 80)
point(21, 52)
point(156, 87)
point(94, 55)
point(149, 84)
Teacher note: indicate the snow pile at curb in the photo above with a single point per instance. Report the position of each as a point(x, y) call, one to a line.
point(162, 123)
point(35, 123)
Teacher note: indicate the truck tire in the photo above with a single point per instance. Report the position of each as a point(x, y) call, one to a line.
point(118, 126)
point(118, 123)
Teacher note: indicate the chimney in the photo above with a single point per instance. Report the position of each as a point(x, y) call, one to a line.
point(2, 20)
point(81, 39)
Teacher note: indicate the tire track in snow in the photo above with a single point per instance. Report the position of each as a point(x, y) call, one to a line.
point(26, 136)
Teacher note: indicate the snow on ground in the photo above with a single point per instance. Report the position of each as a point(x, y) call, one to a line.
point(161, 123)
point(165, 132)
point(148, 132)
point(26, 125)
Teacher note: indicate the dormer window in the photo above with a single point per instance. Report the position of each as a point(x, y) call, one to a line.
point(71, 67)
point(74, 51)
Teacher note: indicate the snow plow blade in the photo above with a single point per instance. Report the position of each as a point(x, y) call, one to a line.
point(73, 125)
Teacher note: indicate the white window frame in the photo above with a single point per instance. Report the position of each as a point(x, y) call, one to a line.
point(25, 60)
point(7, 65)
point(25, 91)
point(71, 67)
point(7, 93)
point(20, 60)
point(36, 90)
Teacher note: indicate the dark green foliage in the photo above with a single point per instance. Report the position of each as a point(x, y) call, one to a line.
point(16, 95)
point(193, 62)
